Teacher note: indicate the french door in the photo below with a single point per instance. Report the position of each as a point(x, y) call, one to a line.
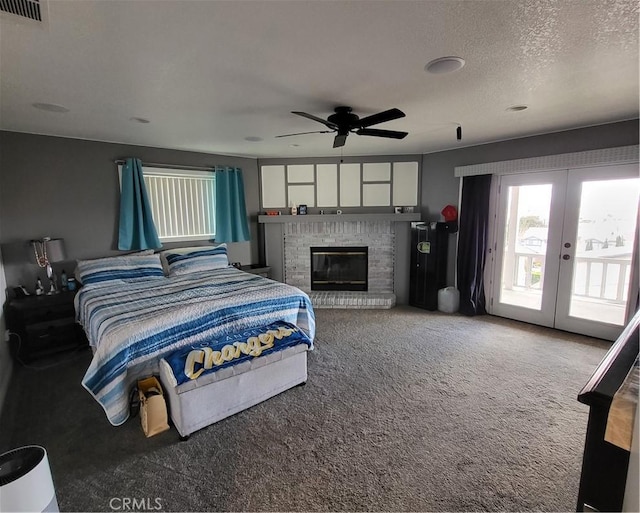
point(563, 246)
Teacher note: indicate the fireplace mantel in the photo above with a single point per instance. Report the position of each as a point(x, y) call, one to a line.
point(325, 218)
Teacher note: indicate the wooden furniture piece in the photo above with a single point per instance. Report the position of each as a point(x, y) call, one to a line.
point(604, 465)
point(42, 325)
point(260, 270)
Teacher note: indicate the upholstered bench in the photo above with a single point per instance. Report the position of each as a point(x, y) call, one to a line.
point(213, 396)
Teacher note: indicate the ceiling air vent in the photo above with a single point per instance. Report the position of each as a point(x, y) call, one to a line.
point(30, 9)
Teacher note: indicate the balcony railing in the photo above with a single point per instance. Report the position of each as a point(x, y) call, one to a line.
point(597, 277)
point(613, 276)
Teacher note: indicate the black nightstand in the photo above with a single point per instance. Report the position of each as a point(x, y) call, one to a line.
point(43, 325)
point(261, 270)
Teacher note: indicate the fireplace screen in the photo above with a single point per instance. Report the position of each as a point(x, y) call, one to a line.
point(339, 268)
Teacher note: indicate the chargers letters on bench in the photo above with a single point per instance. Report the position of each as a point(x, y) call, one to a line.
point(207, 382)
point(190, 363)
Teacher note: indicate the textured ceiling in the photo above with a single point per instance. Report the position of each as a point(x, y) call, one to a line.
point(209, 74)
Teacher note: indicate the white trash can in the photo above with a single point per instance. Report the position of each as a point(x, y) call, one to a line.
point(25, 481)
point(448, 300)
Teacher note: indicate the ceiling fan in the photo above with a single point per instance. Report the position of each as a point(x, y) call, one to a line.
point(344, 121)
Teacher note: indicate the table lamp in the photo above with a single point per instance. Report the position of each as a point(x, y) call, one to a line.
point(49, 250)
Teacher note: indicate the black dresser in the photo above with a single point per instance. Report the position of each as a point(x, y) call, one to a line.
point(42, 325)
point(604, 465)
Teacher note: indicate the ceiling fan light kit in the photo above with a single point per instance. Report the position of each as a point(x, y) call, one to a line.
point(344, 121)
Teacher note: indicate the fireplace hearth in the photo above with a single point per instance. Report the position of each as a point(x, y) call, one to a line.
point(339, 268)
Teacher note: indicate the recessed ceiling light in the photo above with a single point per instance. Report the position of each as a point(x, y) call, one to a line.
point(517, 108)
point(139, 120)
point(445, 65)
point(50, 107)
point(253, 139)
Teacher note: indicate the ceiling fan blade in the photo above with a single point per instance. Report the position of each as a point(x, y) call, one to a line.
point(316, 118)
point(392, 134)
point(304, 133)
point(380, 117)
point(339, 141)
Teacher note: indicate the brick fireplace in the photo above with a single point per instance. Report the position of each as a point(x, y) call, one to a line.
point(378, 236)
point(289, 246)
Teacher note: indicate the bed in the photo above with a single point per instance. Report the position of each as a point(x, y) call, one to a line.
point(134, 320)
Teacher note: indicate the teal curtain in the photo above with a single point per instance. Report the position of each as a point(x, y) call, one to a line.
point(137, 230)
point(231, 212)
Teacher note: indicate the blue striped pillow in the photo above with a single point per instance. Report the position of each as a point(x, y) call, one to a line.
point(198, 258)
point(130, 268)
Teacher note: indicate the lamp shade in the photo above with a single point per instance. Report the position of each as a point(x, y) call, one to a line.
point(55, 250)
point(25, 481)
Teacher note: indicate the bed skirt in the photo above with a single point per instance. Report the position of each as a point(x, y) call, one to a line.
point(215, 396)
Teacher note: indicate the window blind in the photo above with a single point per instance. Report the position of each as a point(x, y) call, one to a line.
point(182, 203)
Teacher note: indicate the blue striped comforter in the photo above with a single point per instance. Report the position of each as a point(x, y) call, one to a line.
point(133, 325)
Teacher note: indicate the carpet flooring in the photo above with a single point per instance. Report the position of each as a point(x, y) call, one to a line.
point(404, 410)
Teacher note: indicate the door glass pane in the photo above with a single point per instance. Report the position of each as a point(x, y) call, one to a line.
point(525, 245)
point(604, 247)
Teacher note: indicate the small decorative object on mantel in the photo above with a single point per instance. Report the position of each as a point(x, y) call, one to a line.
point(273, 212)
point(397, 210)
point(294, 209)
point(302, 210)
point(338, 211)
point(407, 210)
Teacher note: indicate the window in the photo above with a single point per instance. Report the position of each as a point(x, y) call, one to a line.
point(182, 203)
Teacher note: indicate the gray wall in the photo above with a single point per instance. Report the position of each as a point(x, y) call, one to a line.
point(58, 187)
point(68, 188)
point(440, 187)
point(51, 186)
